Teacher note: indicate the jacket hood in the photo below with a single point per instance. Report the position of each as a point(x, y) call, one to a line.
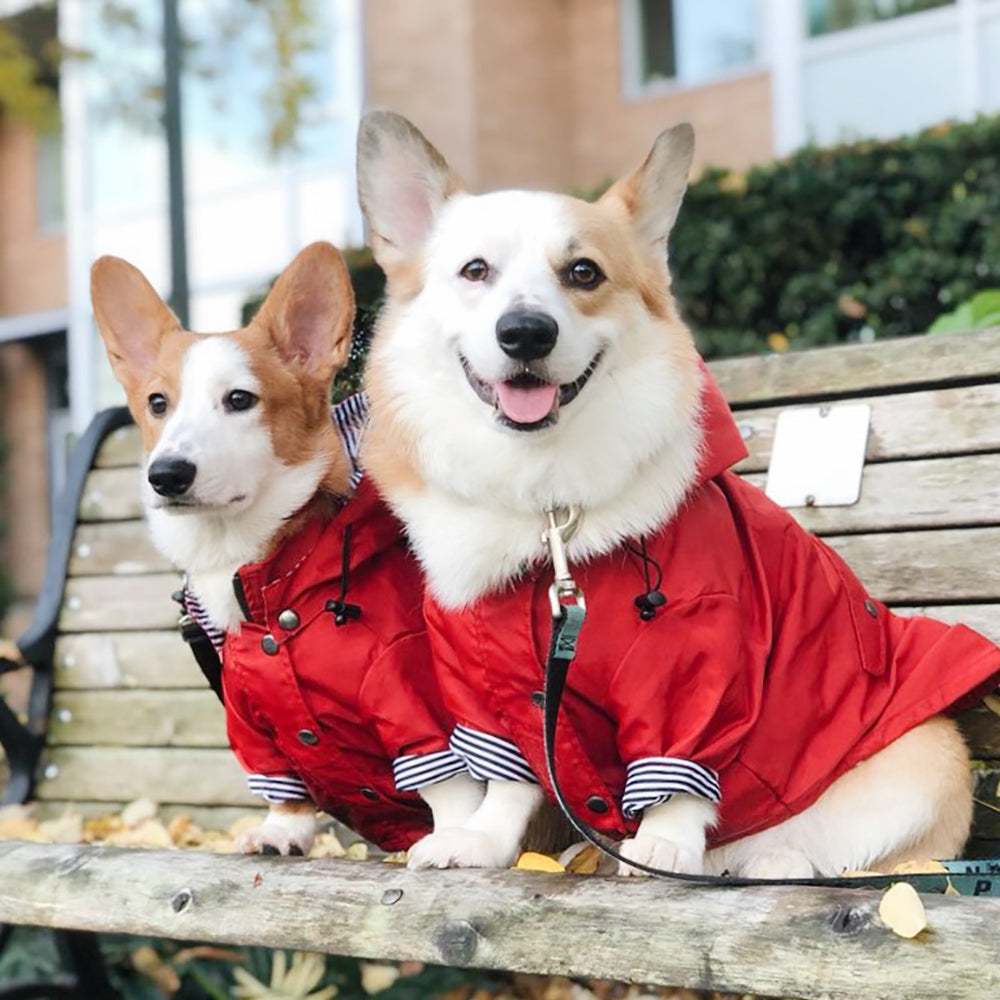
point(722, 444)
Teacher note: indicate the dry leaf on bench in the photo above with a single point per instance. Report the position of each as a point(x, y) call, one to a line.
point(138, 812)
point(902, 910)
point(530, 861)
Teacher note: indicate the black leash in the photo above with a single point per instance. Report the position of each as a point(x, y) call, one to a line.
point(201, 646)
point(969, 878)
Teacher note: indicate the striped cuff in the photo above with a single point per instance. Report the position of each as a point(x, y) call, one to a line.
point(416, 770)
point(652, 780)
point(489, 757)
point(278, 787)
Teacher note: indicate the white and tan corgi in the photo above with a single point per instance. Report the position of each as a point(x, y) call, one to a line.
point(530, 357)
point(245, 482)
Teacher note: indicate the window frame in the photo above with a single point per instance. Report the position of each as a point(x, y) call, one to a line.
point(634, 88)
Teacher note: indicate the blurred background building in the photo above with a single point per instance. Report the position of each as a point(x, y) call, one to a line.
point(550, 93)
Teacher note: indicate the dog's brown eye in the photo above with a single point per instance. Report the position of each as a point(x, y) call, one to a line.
point(476, 270)
point(157, 404)
point(583, 273)
point(239, 400)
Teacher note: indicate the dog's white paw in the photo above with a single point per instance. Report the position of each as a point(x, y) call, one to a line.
point(786, 863)
point(276, 838)
point(658, 852)
point(458, 848)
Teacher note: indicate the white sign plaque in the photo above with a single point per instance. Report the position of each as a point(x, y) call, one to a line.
point(818, 455)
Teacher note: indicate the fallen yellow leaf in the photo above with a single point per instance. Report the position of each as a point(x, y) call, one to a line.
point(530, 861)
point(327, 845)
point(585, 861)
point(358, 851)
point(902, 910)
point(919, 868)
point(138, 812)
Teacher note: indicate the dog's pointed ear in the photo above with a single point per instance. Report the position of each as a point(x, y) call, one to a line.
point(652, 195)
point(130, 315)
point(310, 311)
point(403, 181)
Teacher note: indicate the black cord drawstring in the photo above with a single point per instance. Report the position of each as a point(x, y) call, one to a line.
point(341, 610)
point(653, 597)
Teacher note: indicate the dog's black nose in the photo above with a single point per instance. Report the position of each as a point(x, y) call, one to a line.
point(526, 335)
point(171, 477)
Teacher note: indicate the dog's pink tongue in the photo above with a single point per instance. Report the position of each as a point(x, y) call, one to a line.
point(526, 404)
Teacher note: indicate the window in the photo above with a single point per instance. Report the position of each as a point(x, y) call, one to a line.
point(826, 16)
point(691, 41)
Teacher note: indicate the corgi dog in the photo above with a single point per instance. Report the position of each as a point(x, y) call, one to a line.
point(752, 710)
point(298, 570)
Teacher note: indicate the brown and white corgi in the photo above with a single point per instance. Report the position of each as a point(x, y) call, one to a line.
point(531, 357)
point(249, 489)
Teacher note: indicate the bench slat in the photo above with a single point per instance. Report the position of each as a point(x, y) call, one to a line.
point(174, 775)
point(111, 495)
point(925, 567)
point(115, 548)
point(116, 603)
point(120, 447)
point(910, 425)
point(983, 618)
point(773, 941)
point(858, 368)
point(125, 660)
point(137, 718)
point(926, 493)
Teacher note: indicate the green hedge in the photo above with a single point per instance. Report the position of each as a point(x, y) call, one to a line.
point(873, 239)
point(861, 241)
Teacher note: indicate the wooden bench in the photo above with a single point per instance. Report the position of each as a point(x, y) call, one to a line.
point(130, 715)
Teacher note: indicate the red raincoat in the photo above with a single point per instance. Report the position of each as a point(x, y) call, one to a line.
point(338, 705)
point(767, 674)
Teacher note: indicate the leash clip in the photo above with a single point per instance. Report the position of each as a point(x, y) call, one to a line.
point(562, 525)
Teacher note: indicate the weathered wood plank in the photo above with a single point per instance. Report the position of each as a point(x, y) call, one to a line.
point(909, 425)
point(984, 618)
point(116, 603)
point(120, 447)
point(918, 567)
point(137, 719)
point(773, 941)
point(119, 548)
point(111, 495)
point(207, 777)
point(125, 659)
point(859, 368)
point(927, 493)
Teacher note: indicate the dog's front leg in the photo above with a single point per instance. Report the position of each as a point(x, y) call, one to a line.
point(453, 801)
point(671, 836)
point(288, 828)
point(490, 837)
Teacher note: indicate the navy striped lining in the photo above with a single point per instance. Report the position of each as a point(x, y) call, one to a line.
point(490, 757)
point(415, 771)
point(350, 417)
point(278, 787)
point(652, 780)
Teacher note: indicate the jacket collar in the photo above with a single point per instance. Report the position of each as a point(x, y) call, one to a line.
point(722, 444)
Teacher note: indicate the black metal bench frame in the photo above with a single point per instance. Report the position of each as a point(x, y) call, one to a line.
point(23, 742)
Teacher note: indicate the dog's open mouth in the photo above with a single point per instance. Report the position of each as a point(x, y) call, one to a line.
point(525, 401)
